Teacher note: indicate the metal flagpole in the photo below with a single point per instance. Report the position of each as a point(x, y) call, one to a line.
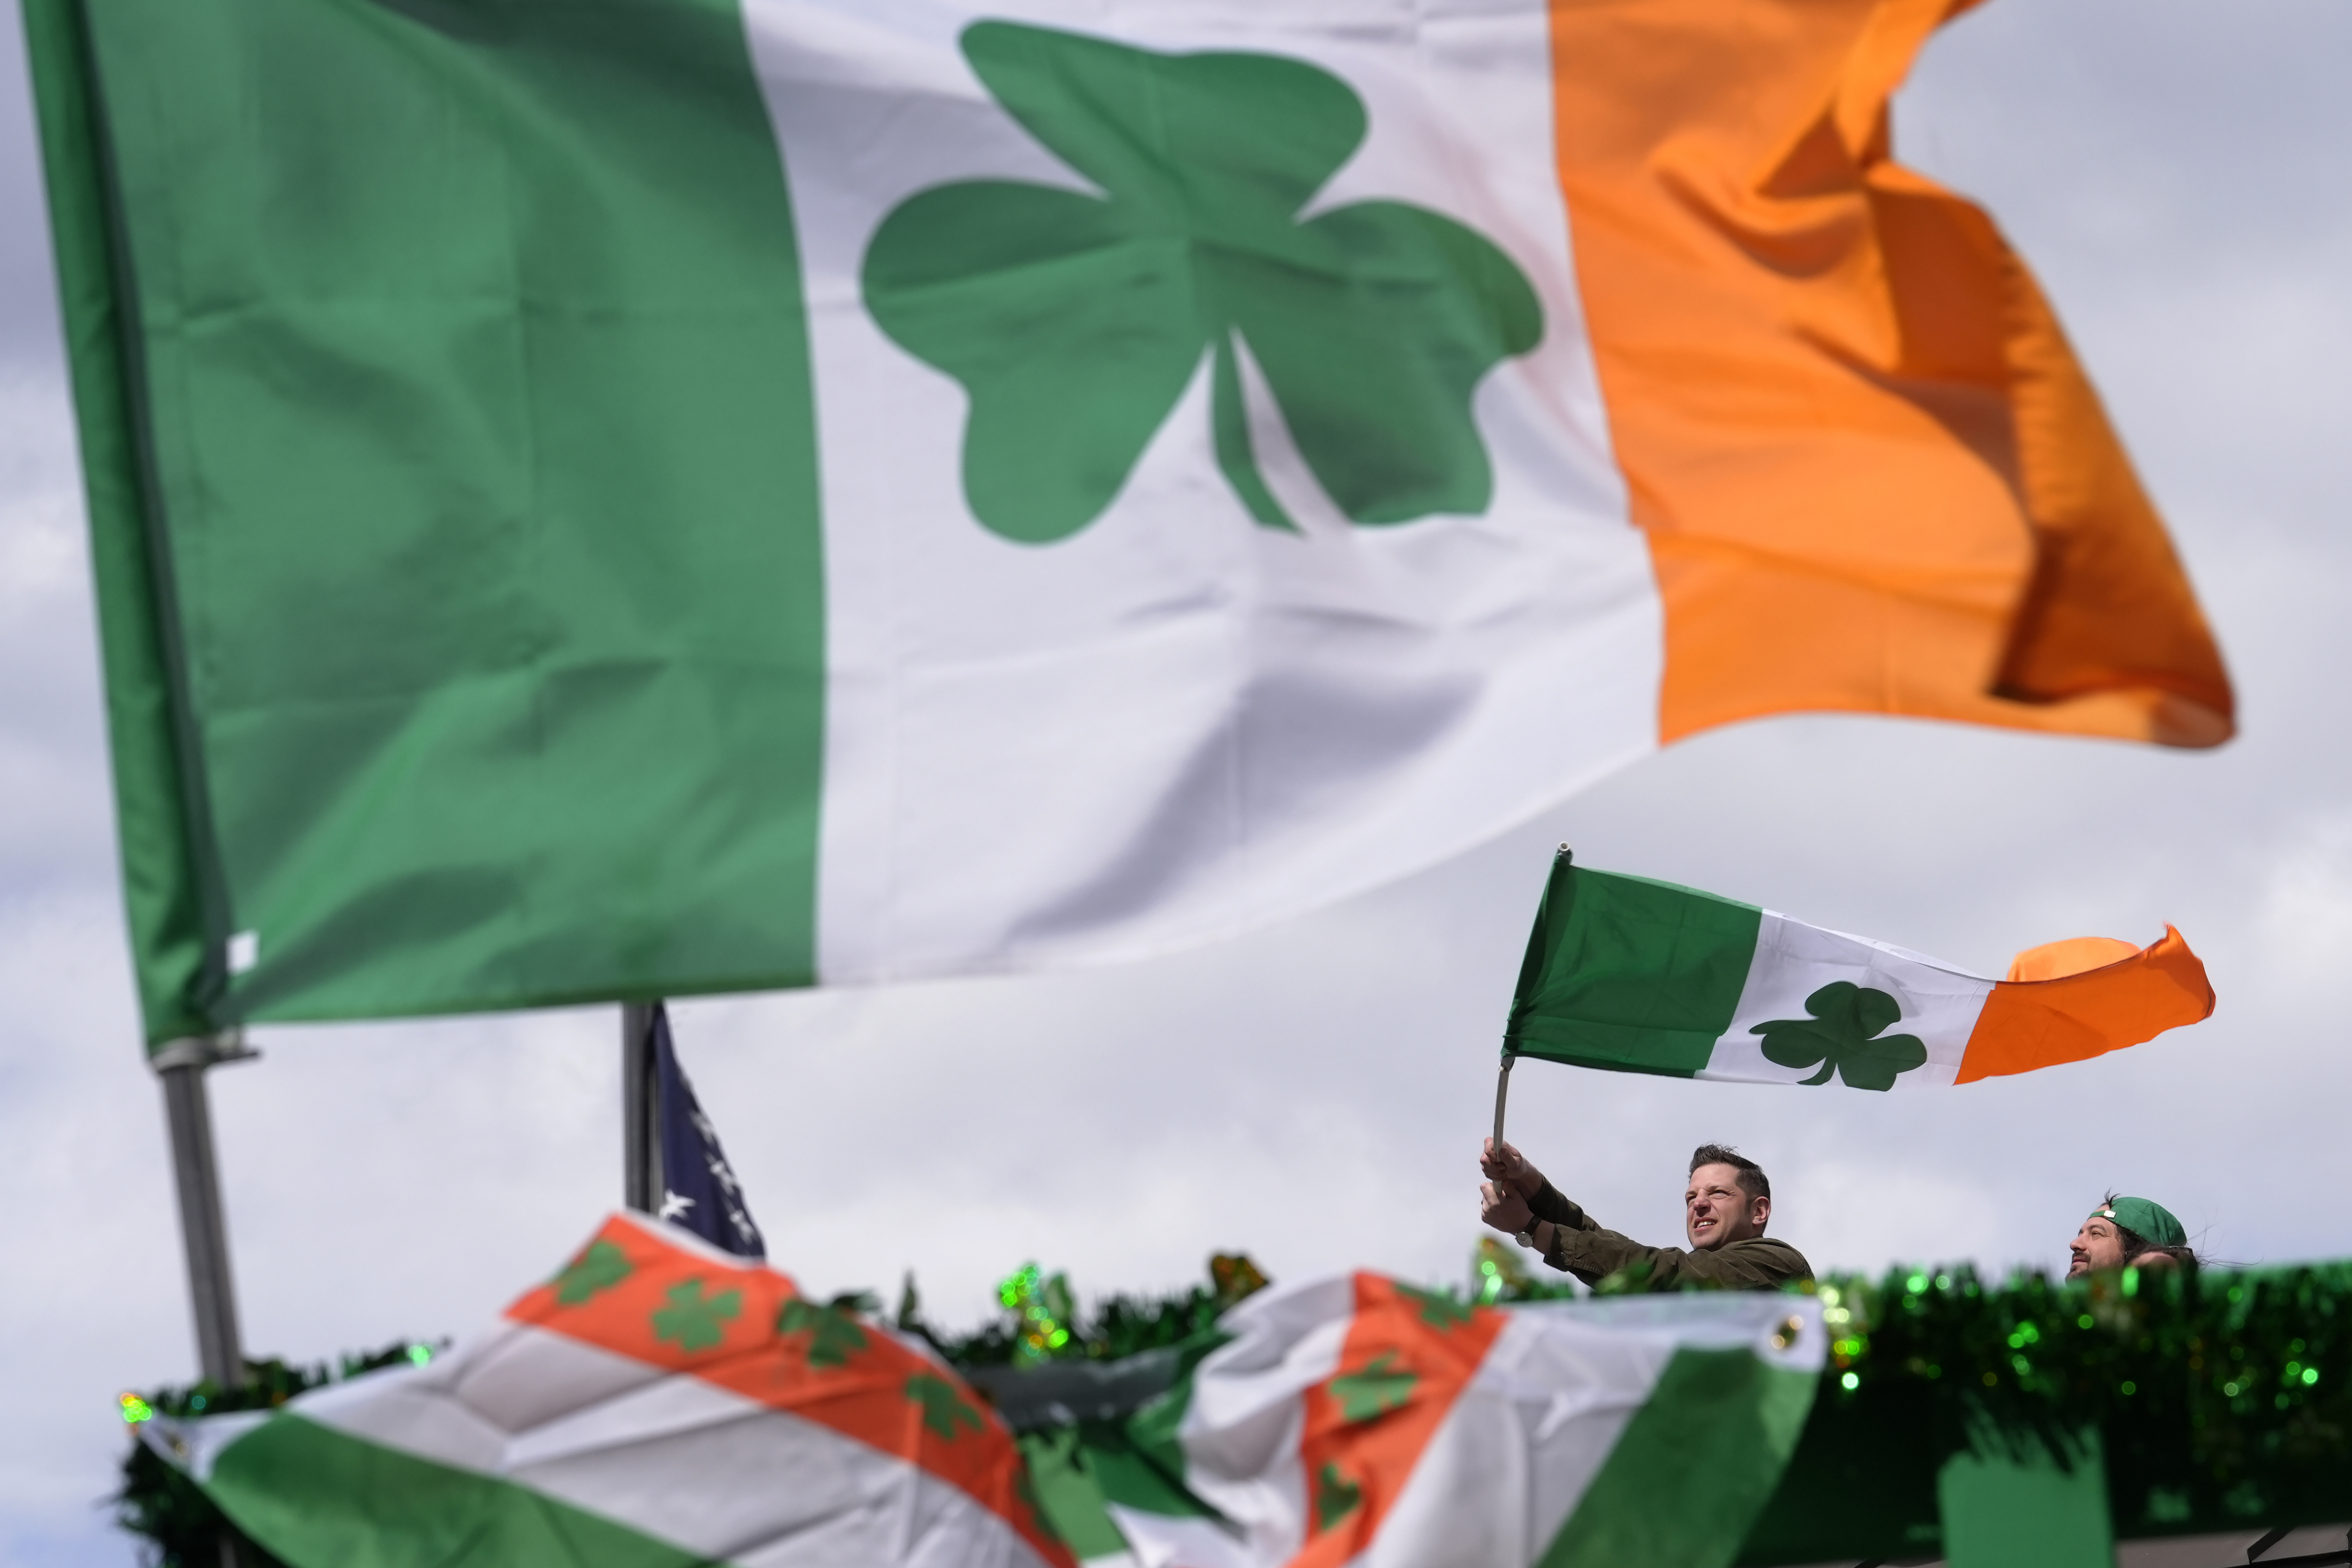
point(640, 1109)
point(1503, 1077)
point(204, 1231)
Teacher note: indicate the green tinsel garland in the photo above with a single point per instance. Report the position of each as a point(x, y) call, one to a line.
point(2223, 1400)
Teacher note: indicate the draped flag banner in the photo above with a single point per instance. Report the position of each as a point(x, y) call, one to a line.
point(1359, 1421)
point(636, 498)
point(1641, 976)
point(661, 1404)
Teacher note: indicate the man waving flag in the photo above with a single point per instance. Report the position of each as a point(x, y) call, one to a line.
point(647, 497)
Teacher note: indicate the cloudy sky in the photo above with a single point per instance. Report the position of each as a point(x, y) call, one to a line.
point(1315, 1094)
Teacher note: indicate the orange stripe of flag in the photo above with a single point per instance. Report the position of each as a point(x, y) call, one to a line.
point(1872, 474)
point(2030, 1022)
point(1407, 1358)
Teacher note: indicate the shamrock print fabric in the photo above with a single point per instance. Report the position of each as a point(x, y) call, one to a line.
point(615, 1415)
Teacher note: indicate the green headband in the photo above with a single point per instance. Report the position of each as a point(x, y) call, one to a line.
point(2142, 1218)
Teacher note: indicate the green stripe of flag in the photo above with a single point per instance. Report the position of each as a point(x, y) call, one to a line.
point(1068, 1492)
point(391, 1509)
point(1693, 1468)
point(1624, 972)
point(467, 446)
point(152, 812)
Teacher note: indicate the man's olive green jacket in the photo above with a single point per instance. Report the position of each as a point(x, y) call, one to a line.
point(1592, 1254)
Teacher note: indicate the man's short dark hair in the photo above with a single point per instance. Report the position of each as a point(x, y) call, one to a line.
point(1750, 1175)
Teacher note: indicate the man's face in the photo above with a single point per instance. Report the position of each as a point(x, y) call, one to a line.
point(1716, 1210)
point(2097, 1245)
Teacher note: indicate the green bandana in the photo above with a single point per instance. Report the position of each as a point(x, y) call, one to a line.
point(2142, 1218)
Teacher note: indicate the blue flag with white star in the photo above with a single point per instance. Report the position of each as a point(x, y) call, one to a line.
point(699, 1192)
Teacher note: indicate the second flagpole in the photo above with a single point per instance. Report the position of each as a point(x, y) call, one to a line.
point(640, 1109)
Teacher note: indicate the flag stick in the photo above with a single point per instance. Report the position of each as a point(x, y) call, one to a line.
point(1502, 1095)
point(640, 1109)
point(180, 1067)
point(1503, 1076)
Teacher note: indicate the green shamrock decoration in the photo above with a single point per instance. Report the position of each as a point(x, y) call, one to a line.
point(600, 1267)
point(1441, 1312)
point(692, 1322)
point(1336, 1497)
point(1839, 1037)
point(1381, 1387)
point(834, 1335)
point(944, 1410)
point(1075, 320)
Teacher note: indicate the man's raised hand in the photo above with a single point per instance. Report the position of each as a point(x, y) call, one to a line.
point(1504, 1210)
point(1508, 1169)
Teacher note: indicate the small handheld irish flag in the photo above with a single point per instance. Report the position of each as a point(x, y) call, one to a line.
point(1635, 975)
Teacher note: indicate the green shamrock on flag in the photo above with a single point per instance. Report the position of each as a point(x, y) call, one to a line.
point(1336, 1497)
point(601, 1268)
point(1075, 320)
point(834, 1334)
point(1839, 1037)
point(944, 1410)
point(1381, 1387)
point(1441, 1312)
point(693, 1322)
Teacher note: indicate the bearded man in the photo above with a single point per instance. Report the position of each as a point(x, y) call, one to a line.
point(2132, 1231)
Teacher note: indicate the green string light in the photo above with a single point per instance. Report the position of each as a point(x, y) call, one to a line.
point(1042, 1308)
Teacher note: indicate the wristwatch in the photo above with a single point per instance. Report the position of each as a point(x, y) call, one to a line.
point(1528, 1237)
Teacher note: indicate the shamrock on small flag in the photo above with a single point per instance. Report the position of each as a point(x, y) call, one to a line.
point(1843, 1037)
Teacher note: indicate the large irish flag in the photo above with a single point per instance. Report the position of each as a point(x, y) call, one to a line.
point(636, 497)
